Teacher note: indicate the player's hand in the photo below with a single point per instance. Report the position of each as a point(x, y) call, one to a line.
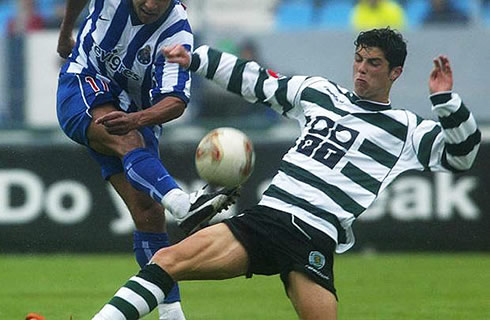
point(177, 54)
point(441, 77)
point(118, 122)
point(65, 45)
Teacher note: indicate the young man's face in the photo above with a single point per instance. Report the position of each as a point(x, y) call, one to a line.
point(372, 75)
point(149, 11)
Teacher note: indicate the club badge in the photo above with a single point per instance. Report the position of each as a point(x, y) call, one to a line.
point(144, 55)
point(316, 259)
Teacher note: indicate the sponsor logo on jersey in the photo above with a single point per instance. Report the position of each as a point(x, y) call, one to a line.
point(144, 55)
point(273, 73)
point(318, 273)
point(316, 259)
point(114, 62)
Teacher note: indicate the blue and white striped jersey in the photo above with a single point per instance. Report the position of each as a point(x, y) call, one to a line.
point(113, 45)
point(349, 149)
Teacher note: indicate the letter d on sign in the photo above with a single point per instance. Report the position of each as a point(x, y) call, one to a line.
point(33, 190)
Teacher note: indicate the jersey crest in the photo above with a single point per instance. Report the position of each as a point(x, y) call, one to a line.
point(144, 55)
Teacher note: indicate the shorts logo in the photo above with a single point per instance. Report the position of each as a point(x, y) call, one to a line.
point(316, 259)
point(144, 55)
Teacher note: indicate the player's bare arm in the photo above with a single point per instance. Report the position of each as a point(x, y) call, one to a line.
point(441, 77)
point(120, 122)
point(65, 39)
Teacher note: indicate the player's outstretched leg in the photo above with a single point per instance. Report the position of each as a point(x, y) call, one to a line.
point(204, 206)
point(146, 173)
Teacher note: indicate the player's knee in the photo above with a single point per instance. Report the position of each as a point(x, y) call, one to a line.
point(130, 141)
point(168, 259)
point(118, 145)
point(148, 216)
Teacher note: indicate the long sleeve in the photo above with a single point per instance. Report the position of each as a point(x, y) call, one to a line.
point(249, 80)
point(453, 142)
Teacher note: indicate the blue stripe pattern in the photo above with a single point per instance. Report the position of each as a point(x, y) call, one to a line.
point(159, 65)
point(118, 65)
point(88, 40)
point(184, 75)
point(179, 26)
point(113, 34)
point(112, 37)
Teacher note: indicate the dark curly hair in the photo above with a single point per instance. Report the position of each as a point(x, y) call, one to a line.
point(390, 41)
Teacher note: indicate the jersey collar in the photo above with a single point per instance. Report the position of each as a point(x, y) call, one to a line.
point(135, 21)
point(368, 104)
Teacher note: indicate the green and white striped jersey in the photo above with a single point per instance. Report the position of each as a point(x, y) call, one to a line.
point(349, 149)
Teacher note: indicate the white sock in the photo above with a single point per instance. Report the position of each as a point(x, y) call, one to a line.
point(177, 202)
point(170, 311)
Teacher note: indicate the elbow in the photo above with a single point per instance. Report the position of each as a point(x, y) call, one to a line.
point(179, 109)
point(175, 108)
point(461, 156)
point(459, 164)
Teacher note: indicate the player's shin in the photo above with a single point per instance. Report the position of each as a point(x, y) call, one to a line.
point(139, 296)
point(146, 172)
point(145, 245)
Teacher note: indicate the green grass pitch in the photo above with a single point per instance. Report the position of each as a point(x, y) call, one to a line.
point(381, 286)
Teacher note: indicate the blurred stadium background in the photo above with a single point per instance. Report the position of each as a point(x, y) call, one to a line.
point(53, 201)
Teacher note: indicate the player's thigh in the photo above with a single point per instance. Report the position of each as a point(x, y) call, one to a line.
point(114, 145)
point(310, 300)
point(77, 95)
point(148, 215)
point(212, 253)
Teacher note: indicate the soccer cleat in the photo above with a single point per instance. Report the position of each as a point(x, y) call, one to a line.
point(204, 206)
point(34, 316)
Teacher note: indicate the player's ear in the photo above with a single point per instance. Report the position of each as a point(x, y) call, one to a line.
point(395, 73)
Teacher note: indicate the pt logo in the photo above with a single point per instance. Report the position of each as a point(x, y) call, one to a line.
point(327, 142)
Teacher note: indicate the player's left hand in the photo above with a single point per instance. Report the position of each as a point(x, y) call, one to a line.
point(118, 122)
point(441, 77)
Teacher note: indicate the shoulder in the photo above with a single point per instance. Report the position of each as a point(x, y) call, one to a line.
point(327, 87)
point(180, 10)
point(407, 117)
point(175, 22)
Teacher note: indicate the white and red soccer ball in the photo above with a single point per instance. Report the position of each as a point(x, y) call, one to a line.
point(225, 157)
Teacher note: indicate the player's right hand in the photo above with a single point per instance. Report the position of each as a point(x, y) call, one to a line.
point(177, 54)
point(65, 45)
point(118, 122)
point(441, 77)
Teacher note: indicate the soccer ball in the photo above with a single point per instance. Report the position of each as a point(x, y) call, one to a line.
point(225, 157)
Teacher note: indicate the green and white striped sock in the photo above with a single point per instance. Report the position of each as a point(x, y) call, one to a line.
point(139, 296)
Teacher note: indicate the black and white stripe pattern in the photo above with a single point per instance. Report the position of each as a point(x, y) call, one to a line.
point(461, 134)
point(139, 296)
point(349, 149)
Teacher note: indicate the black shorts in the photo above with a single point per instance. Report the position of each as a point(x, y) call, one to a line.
point(278, 243)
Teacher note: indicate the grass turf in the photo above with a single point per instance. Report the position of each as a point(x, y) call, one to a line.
point(384, 286)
